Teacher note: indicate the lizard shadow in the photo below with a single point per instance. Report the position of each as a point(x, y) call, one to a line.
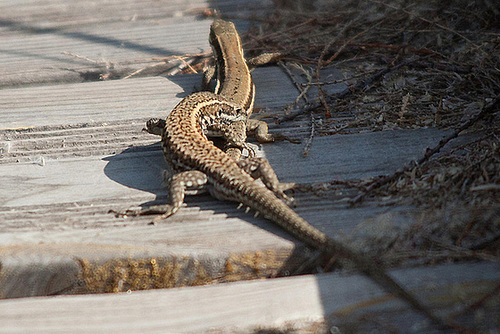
point(143, 168)
point(190, 83)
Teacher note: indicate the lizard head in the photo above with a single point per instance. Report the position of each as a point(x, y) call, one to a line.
point(230, 113)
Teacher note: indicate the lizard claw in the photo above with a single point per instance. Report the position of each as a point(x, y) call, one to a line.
point(125, 213)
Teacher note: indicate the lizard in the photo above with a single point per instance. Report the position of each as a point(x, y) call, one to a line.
point(233, 80)
point(201, 166)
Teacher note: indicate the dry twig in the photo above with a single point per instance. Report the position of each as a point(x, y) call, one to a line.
point(488, 109)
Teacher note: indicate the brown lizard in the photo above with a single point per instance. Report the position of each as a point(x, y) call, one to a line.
point(233, 81)
point(201, 166)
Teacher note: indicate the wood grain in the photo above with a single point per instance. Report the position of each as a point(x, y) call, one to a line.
point(71, 148)
point(241, 307)
point(87, 155)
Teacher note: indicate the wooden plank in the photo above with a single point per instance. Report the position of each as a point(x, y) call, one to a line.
point(68, 167)
point(99, 177)
point(281, 304)
point(61, 14)
point(83, 41)
point(88, 53)
point(101, 102)
point(353, 156)
point(56, 13)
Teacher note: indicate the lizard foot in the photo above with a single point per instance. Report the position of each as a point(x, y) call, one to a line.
point(163, 211)
point(280, 137)
point(260, 131)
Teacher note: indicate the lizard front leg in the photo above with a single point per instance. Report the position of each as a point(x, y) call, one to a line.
point(235, 135)
point(260, 131)
point(208, 81)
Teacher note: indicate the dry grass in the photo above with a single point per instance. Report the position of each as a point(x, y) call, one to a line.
point(408, 65)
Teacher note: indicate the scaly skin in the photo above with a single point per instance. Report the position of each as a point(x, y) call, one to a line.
point(234, 82)
point(202, 166)
point(233, 78)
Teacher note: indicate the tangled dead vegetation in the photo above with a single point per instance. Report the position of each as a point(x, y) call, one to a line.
point(402, 65)
point(469, 173)
point(406, 65)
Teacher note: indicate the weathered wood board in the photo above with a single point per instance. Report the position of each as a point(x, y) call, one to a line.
point(71, 149)
point(281, 304)
point(83, 55)
point(68, 172)
point(72, 152)
point(60, 42)
point(103, 102)
point(63, 14)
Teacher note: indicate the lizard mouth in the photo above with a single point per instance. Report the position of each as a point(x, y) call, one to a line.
point(232, 118)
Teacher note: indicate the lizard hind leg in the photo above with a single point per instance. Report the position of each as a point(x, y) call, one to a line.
point(259, 168)
point(189, 182)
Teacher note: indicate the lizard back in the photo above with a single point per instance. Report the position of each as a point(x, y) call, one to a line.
point(185, 147)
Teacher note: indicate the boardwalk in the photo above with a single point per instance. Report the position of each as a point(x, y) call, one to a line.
point(71, 149)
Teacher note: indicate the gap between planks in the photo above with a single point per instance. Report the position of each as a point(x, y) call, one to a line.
point(345, 301)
